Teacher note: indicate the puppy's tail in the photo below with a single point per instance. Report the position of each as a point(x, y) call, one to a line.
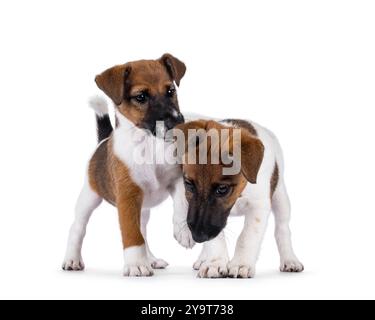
point(103, 122)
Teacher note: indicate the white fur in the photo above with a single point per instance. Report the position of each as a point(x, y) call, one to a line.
point(255, 204)
point(258, 210)
point(213, 260)
point(136, 262)
point(281, 210)
point(87, 202)
point(248, 244)
point(154, 179)
point(181, 230)
point(99, 105)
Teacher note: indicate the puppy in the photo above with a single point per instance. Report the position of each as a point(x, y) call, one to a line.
point(205, 198)
point(143, 93)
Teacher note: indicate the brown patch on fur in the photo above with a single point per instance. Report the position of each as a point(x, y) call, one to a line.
point(133, 113)
point(243, 124)
point(100, 175)
point(129, 204)
point(257, 220)
point(252, 152)
point(274, 179)
point(111, 179)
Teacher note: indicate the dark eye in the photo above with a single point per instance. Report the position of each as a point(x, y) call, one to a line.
point(222, 190)
point(189, 185)
point(141, 98)
point(171, 91)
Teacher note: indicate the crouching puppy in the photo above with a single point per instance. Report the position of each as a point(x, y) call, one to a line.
point(143, 93)
point(242, 174)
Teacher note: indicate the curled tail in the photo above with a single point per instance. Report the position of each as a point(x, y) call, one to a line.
point(103, 123)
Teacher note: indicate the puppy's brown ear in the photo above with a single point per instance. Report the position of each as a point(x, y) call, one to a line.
point(112, 82)
point(252, 152)
point(175, 67)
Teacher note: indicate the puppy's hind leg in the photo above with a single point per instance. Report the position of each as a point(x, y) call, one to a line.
point(281, 209)
point(87, 202)
point(155, 262)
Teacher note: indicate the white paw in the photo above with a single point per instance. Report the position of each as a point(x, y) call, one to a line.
point(291, 265)
point(137, 263)
point(183, 236)
point(142, 270)
point(197, 264)
point(158, 263)
point(216, 268)
point(240, 270)
point(73, 264)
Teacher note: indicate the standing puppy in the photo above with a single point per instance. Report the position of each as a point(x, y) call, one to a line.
point(143, 93)
point(206, 196)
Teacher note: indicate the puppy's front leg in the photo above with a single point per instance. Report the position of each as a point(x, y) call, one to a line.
point(213, 260)
point(129, 205)
point(181, 230)
point(248, 244)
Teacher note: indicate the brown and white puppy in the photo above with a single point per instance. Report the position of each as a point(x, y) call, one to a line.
point(206, 196)
point(143, 93)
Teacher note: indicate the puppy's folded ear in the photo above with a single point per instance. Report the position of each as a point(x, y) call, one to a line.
point(175, 67)
point(252, 152)
point(112, 82)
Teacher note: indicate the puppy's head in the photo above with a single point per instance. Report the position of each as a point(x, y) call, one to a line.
point(144, 91)
point(210, 192)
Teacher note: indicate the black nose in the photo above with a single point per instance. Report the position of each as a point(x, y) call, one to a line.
point(180, 118)
point(200, 237)
point(171, 122)
point(204, 233)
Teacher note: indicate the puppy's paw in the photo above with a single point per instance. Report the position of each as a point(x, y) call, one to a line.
point(197, 264)
point(183, 236)
point(73, 264)
point(291, 265)
point(216, 268)
point(240, 270)
point(158, 263)
point(140, 270)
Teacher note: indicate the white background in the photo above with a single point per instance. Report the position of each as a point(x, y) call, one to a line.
point(304, 69)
